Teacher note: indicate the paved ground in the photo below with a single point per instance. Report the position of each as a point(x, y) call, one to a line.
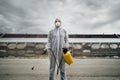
point(82, 69)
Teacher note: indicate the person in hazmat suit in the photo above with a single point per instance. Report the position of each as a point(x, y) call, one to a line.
point(57, 41)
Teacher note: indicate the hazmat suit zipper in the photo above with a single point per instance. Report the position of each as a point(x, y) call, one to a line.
point(58, 42)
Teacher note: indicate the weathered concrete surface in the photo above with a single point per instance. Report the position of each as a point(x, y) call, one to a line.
point(82, 69)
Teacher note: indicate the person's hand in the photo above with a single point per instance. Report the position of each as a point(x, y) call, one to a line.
point(65, 50)
point(47, 49)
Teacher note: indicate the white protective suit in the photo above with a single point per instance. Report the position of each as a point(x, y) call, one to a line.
point(57, 39)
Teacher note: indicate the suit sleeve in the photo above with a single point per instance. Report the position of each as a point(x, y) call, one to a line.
point(66, 40)
point(48, 45)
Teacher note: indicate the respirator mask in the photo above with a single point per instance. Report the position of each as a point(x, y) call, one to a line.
point(57, 23)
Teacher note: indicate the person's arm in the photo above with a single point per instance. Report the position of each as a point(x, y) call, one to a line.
point(48, 45)
point(66, 45)
point(66, 40)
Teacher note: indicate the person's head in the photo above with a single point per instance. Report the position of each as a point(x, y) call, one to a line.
point(57, 22)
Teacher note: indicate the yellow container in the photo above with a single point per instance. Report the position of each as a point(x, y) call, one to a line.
point(68, 58)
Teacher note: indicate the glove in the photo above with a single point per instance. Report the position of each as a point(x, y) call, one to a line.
point(46, 50)
point(65, 50)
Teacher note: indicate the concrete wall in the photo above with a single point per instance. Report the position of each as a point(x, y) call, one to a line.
point(77, 49)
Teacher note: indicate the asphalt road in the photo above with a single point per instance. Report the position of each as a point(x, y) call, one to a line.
point(81, 69)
